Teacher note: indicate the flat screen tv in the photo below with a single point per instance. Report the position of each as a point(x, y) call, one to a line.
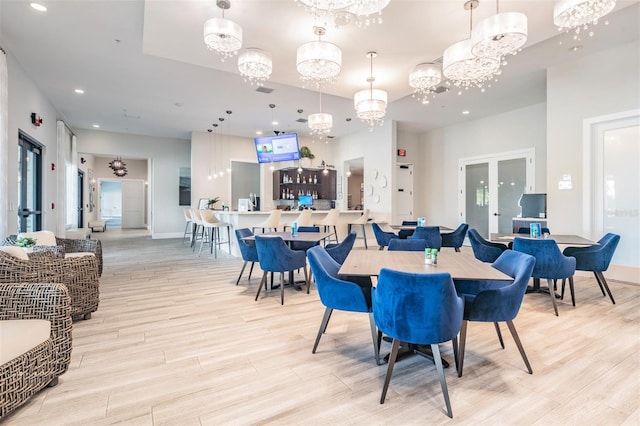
point(271, 149)
point(305, 200)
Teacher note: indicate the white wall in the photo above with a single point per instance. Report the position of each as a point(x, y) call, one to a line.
point(436, 168)
point(24, 98)
point(166, 157)
point(604, 83)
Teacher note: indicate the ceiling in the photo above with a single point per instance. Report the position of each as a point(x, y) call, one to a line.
point(146, 70)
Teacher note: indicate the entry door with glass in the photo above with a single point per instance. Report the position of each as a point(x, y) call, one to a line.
point(490, 188)
point(29, 184)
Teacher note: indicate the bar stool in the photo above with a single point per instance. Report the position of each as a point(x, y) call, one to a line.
point(330, 221)
point(196, 227)
point(271, 222)
point(212, 225)
point(187, 218)
point(362, 221)
point(303, 219)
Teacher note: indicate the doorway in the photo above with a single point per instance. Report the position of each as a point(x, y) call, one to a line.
point(404, 198)
point(111, 203)
point(354, 172)
point(490, 188)
point(29, 184)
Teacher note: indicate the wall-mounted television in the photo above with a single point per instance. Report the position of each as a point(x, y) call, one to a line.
point(305, 200)
point(271, 149)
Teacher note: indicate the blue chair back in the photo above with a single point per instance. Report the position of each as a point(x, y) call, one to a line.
point(417, 307)
point(382, 237)
point(412, 244)
point(550, 262)
point(247, 248)
point(595, 258)
point(410, 222)
point(431, 234)
point(335, 293)
point(302, 245)
point(339, 252)
point(497, 301)
point(484, 250)
point(275, 256)
point(455, 239)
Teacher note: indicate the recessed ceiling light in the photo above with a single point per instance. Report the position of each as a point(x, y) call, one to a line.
point(575, 48)
point(97, 126)
point(274, 123)
point(178, 104)
point(79, 91)
point(258, 132)
point(465, 112)
point(38, 7)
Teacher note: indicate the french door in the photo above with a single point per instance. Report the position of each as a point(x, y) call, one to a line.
point(29, 184)
point(490, 187)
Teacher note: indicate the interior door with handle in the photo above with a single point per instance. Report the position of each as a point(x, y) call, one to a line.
point(29, 184)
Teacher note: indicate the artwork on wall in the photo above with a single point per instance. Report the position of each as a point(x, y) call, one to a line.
point(92, 189)
point(184, 186)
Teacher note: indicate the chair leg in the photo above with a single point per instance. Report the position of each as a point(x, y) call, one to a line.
point(335, 231)
point(251, 270)
point(244, 265)
point(364, 237)
point(573, 295)
point(499, 334)
point(262, 281)
point(552, 293)
point(323, 327)
point(599, 283)
point(457, 249)
point(374, 336)
point(307, 278)
point(443, 383)
point(282, 288)
point(463, 340)
point(606, 286)
point(514, 333)
point(454, 343)
point(392, 360)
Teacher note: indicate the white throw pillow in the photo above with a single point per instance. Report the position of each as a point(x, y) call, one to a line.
point(15, 251)
point(43, 238)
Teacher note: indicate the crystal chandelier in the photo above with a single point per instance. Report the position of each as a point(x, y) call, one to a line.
point(579, 14)
point(319, 61)
point(343, 12)
point(423, 79)
point(255, 66)
point(370, 104)
point(499, 35)
point(462, 67)
point(221, 35)
point(320, 122)
point(368, 12)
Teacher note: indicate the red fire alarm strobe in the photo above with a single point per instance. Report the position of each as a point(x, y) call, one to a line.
point(402, 153)
point(36, 120)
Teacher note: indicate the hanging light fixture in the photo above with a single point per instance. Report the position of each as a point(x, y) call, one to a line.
point(255, 65)
point(319, 61)
point(324, 7)
point(370, 104)
point(117, 164)
point(499, 35)
point(423, 79)
point(579, 14)
point(320, 122)
point(221, 35)
point(209, 156)
point(462, 67)
point(368, 12)
point(226, 145)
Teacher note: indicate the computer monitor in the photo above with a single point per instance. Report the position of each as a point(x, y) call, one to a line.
point(305, 200)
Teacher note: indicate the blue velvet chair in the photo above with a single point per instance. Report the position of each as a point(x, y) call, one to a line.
point(382, 237)
point(496, 301)
point(596, 259)
point(247, 250)
point(405, 233)
point(455, 239)
point(525, 230)
point(276, 256)
point(303, 245)
point(551, 264)
point(340, 251)
point(484, 250)
point(421, 309)
point(339, 294)
point(429, 233)
point(410, 244)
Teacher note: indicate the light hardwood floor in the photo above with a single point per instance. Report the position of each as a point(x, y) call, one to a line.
point(175, 342)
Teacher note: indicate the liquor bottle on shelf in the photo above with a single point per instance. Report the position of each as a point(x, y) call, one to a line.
point(304, 179)
point(297, 178)
point(315, 179)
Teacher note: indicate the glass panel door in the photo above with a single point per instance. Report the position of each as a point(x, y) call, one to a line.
point(29, 184)
point(477, 197)
point(512, 181)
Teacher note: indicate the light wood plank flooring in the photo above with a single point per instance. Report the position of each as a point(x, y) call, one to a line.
point(175, 342)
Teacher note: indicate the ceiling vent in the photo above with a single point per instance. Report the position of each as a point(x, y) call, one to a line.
point(263, 89)
point(301, 120)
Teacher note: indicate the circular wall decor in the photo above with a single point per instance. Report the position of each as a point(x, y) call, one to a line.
point(376, 199)
point(369, 189)
point(383, 181)
point(374, 174)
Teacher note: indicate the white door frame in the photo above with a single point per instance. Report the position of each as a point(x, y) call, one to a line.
point(492, 160)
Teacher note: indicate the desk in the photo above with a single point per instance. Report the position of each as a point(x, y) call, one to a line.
point(462, 265)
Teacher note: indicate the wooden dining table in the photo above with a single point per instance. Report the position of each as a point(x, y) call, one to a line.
point(413, 227)
point(460, 265)
point(560, 239)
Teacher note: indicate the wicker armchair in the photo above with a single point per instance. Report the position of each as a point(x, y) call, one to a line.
point(26, 374)
point(79, 274)
point(68, 245)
